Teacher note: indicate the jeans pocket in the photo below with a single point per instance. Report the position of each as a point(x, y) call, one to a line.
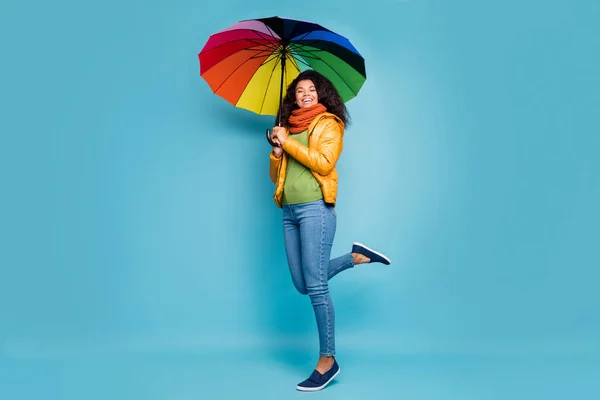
point(331, 209)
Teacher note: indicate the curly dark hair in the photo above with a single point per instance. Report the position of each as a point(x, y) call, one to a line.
point(328, 96)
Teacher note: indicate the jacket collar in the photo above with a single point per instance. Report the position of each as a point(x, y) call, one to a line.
point(324, 115)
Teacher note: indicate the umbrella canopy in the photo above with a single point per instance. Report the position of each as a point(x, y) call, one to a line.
point(250, 62)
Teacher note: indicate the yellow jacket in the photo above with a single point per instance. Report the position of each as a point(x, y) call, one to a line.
point(325, 144)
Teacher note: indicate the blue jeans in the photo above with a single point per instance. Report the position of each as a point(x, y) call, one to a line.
point(309, 229)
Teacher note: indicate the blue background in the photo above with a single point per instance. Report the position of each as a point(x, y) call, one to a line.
point(142, 254)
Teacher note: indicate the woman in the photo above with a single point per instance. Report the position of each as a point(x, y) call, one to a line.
point(303, 167)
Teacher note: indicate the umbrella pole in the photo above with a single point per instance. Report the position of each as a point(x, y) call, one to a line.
point(278, 119)
point(283, 57)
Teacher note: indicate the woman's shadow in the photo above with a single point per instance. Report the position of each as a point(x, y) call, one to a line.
point(285, 318)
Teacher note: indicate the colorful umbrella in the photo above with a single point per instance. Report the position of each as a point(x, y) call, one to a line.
point(248, 63)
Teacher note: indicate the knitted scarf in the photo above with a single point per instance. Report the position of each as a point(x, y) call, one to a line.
point(302, 117)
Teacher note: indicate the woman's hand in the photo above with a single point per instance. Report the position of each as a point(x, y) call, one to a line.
point(277, 151)
point(279, 135)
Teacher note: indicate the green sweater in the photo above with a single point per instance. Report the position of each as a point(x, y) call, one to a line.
point(300, 184)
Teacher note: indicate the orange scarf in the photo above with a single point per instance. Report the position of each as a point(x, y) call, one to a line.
point(302, 117)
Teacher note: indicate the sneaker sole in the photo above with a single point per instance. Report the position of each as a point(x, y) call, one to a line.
point(373, 251)
point(303, 389)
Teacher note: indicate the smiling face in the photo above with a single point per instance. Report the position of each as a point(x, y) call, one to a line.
point(306, 94)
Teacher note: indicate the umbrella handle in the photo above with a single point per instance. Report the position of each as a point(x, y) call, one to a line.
point(271, 142)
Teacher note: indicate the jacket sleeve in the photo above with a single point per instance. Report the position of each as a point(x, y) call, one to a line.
point(274, 166)
point(322, 159)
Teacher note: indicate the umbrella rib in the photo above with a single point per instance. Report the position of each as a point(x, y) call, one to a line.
point(259, 51)
point(233, 72)
point(314, 41)
point(343, 80)
point(258, 47)
point(272, 31)
point(278, 60)
point(312, 54)
point(259, 54)
point(262, 104)
point(271, 57)
point(311, 44)
point(300, 57)
point(330, 67)
point(295, 64)
point(274, 55)
point(266, 36)
point(305, 34)
point(269, 45)
point(313, 51)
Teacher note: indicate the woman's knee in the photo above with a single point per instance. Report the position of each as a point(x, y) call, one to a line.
point(301, 289)
point(318, 291)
